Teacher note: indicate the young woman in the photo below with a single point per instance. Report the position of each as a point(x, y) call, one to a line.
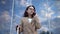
point(30, 21)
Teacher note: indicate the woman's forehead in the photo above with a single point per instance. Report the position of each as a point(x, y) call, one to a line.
point(31, 7)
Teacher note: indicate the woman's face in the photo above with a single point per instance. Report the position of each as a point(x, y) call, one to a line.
point(30, 10)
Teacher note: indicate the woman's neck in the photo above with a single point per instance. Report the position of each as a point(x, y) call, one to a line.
point(29, 16)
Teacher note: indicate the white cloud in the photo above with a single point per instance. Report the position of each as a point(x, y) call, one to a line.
point(23, 2)
point(58, 16)
point(5, 20)
point(48, 12)
point(49, 8)
point(57, 4)
point(44, 29)
point(42, 19)
point(46, 6)
point(26, 2)
point(49, 15)
point(3, 2)
point(43, 12)
point(5, 16)
point(54, 25)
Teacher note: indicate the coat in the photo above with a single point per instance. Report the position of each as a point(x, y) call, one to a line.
point(29, 28)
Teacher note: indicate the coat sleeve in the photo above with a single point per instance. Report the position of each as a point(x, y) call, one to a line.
point(37, 22)
point(21, 26)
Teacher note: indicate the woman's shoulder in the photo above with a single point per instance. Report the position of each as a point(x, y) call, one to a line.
point(23, 18)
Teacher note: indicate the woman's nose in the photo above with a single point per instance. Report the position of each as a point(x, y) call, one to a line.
point(32, 11)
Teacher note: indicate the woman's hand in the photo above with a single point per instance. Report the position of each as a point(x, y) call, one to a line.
point(37, 22)
point(36, 18)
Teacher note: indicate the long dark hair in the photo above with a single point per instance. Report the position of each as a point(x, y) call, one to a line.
point(26, 14)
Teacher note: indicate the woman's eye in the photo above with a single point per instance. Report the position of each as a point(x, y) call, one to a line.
point(29, 8)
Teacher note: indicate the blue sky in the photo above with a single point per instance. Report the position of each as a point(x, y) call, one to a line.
point(47, 10)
